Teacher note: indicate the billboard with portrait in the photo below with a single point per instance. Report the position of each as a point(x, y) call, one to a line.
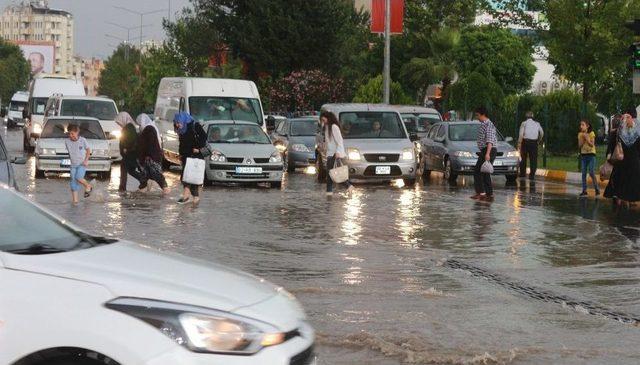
point(41, 56)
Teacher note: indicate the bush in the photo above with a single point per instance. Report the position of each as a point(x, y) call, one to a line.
point(304, 91)
point(473, 91)
point(371, 92)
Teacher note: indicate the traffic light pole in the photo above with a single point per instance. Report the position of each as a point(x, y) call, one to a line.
point(635, 49)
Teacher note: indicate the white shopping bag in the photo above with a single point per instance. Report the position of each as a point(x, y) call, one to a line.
point(339, 173)
point(486, 168)
point(194, 171)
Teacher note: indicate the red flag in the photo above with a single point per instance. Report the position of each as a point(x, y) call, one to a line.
point(377, 16)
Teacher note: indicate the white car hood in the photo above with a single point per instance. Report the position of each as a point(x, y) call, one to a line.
point(244, 149)
point(378, 145)
point(109, 126)
point(60, 147)
point(130, 270)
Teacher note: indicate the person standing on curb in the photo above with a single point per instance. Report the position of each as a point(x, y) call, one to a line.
point(531, 134)
point(487, 140)
point(587, 144)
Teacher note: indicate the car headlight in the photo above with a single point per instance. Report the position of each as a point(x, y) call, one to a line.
point(47, 151)
point(300, 148)
point(217, 156)
point(408, 154)
point(353, 154)
point(464, 154)
point(280, 147)
point(513, 154)
point(37, 128)
point(200, 329)
point(99, 153)
point(116, 134)
point(275, 157)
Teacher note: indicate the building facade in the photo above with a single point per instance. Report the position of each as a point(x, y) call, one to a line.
point(91, 69)
point(33, 23)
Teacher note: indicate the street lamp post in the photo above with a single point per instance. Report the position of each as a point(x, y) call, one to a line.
point(142, 15)
point(387, 53)
point(128, 40)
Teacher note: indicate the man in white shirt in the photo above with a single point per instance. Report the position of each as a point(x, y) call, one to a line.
point(531, 135)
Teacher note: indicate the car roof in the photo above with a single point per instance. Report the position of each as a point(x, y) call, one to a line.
point(75, 97)
point(304, 119)
point(356, 107)
point(415, 109)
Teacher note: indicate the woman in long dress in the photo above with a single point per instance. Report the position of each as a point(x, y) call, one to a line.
point(624, 184)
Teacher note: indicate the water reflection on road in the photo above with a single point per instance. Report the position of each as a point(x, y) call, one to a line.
point(368, 267)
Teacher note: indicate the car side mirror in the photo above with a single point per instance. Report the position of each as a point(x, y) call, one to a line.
point(19, 160)
point(508, 139)
point(413, 137)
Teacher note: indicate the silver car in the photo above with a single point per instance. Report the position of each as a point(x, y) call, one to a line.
point(241, 153)
point(451, 147)
point(376, 141)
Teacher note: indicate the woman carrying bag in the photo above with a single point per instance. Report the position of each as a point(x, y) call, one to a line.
point(193, 145)
point(150, 155)
point(335, 150)
point(624, 185)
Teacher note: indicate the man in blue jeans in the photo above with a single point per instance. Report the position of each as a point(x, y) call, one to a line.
point(79, 154)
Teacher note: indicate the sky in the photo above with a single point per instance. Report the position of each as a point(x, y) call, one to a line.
point(91, 17)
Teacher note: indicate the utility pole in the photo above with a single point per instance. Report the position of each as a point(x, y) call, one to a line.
point(128, 40)
point(386, 75)
point(142, 15)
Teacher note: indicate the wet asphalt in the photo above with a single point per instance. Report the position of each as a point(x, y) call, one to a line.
point(398, 275)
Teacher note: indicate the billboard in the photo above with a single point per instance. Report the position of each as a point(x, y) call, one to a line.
point(41, 56)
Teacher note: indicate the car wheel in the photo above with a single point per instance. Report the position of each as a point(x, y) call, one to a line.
point(276, 185)
point(448, 172)
point(39, 174)
point(73, 361)
point(321, 173)
point(511, 178)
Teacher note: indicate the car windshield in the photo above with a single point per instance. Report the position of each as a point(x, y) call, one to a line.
point(237, 133)
point(304, 127)
point(89, 129)
point(419, 122)
point(17, 234)
point(218, 108)
point(38, 105)
point(371, 125)
point(99, 109)
point(466, 132)
point(17, 106)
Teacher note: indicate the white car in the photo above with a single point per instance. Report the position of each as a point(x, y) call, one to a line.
point(72, 298)
point(52, 154)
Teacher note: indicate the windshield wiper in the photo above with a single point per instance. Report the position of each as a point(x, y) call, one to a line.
point(36, 249)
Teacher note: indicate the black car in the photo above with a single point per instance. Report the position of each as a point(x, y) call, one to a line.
point(7, 175)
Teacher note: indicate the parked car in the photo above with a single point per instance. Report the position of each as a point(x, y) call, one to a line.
point(451, 147)
point(376, 141)
point(52, 154)
point(242, 153)
point(101, 301)
point(418, 119)
point(296, 139)
point(7, 175)
point(101, 108)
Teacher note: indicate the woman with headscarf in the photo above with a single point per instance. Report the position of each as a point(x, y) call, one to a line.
point(624, 184)
point(128, 150)
point(193, 139)
point(150, 154)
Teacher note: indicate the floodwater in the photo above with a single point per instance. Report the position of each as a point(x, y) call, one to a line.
point(420, 275)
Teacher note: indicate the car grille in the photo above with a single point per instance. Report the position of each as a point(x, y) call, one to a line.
point(381, 157)
point(371, 171)
point(247, 176)
point(306, 357)
point(261, 160)
point(235, 159)
point(214, 166)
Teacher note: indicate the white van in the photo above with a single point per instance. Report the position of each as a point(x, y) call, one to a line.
point(18, 103)
point(39, 92)
point(205, 99)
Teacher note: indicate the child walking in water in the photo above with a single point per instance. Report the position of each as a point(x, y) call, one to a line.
point(79, 154)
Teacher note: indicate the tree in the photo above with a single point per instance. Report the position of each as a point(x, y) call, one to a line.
point(371, 92)
point(472, 91)
point(305, 90)
point(586, 39)
point(121, 75)
point(157, 63)
point(14, 71)
point(504, 56)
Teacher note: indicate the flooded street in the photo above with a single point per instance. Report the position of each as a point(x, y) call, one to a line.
point(393, 275)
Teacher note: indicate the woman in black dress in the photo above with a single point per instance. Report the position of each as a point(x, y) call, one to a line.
point(193, 140)
point(624, 185)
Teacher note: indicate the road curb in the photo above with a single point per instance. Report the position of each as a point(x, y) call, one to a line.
point(574, 178)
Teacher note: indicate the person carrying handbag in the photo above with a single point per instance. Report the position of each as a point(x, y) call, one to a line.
point(193, 144)
point(335, 148)
point(624, 184)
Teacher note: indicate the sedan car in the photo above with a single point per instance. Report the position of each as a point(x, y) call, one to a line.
point(7, 175)
point(52, 154)
point(296, 139)
point(376, 141)
point(241, 152)
point(95, 304)
point(451, 147)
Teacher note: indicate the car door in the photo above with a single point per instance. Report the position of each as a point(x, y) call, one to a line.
point(427, 146)
point(440, 148)
point(279, 134)
point(171, 140)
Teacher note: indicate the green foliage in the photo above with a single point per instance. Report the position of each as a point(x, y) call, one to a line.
point(157, 63)
point(121, 75)
point(305, 91)
point(14, 71)
point(502, 56)
point(371, 92)
point(473, 91)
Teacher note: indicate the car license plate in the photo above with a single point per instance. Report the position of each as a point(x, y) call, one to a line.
point(383, 170)
point(65, 163)
point(497, 163)
point(248, 170)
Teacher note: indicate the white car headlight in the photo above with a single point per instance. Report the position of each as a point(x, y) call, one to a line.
point(280, 147)
point(275, 157)
point(37, 128)
point(408, 154)
point(217, 156)
point(464, 154)
point(116, 134)
point(513, 154)
point(47, 151)
point(353, 154)
point(202, 330)
point(99, 153)
point(300, 148)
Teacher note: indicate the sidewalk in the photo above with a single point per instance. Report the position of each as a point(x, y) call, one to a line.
point(567, 177)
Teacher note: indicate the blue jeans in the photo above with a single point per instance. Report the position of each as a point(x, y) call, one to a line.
point(588, 165)
point(77, 173)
